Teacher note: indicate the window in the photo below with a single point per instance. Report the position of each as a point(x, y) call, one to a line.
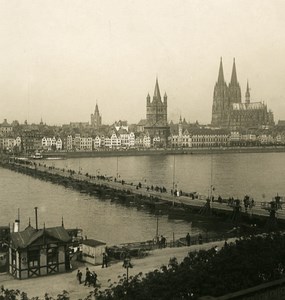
point(52, 256)
point(33, 258)
point(13, 257)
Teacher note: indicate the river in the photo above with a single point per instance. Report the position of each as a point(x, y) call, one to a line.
point(259, 175)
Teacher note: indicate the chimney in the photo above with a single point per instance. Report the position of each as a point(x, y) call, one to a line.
point(16, 226)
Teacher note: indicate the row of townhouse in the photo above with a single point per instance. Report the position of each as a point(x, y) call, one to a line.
point(261, 138)
point(199, 139)
point(10, 143)
point(53, 143)
point(204, 138)
point(211, 138)
point(113, 141)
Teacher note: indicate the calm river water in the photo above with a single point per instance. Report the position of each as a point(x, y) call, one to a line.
point(259, 175)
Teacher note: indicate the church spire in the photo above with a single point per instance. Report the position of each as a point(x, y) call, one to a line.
point(247, 94)
point(234, 74)
point(156, 95)
point(234, 88)
point(221, 73)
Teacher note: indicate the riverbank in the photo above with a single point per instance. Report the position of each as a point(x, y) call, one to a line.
point(154, 152)
point(55, 284)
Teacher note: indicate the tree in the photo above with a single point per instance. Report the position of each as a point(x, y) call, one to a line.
point(236, 266)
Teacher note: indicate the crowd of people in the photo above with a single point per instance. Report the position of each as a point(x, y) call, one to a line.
point(90, 278)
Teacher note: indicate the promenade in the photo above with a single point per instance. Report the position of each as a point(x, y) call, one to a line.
point(55, 284)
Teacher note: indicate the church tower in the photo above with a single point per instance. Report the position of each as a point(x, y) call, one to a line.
point(156, 118)
point(180, 127)
point(234, 88)
point(96, 119)
point(156, 111)
point(247, 95)
point(220, 100)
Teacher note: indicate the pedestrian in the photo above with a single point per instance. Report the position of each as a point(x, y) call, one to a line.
point(158, 241)
point(105, 260)
point(79, 276)
point(87, 277)
point(162, 241)
point(188, 239)
point(94, 278)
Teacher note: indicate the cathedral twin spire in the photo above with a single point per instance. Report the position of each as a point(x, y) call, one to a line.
point(221, 78)
point(225, 95)
point(234, 92)
point(234, 74)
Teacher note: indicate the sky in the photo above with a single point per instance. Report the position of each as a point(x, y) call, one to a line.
point(58, 58)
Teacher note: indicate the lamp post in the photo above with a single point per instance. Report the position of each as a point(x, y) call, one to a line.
point(173, 178)
point(127, 264)
point(117, 167)
point(157, 218)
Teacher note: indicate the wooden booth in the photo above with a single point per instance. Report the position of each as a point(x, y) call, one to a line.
point(37, 252)
point(92, 251)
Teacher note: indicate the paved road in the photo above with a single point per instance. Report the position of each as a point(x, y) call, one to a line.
point(55, 284)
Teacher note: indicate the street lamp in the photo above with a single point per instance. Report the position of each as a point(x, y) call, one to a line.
point(127, 264)
point(117, 167)
point(173, 178)
point(157, 218)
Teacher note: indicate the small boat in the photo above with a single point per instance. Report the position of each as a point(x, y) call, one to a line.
point(37, 155)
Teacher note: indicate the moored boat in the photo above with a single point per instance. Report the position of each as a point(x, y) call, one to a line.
point(37, 155)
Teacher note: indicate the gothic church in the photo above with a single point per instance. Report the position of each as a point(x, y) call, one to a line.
point(229, 112)
point(96, 118)
point(156, 117)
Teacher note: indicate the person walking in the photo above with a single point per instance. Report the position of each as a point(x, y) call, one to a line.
point(87, 277)
point(188, 239)
point(79, 276)
point(94, 278)
point(105, 260)
point(162, 241)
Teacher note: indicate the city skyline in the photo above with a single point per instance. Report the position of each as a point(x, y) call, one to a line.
point(61, 58)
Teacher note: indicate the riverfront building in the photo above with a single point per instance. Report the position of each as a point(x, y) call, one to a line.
point(156, 118)
point(5, 127)
point(92, 251)
point(228, 111)
point(37, 252)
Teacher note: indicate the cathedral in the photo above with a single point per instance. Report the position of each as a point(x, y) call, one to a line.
point(156, 117)
point(228, 110)
point(96, 119)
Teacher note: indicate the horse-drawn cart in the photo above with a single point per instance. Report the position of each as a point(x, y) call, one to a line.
point(136, 249)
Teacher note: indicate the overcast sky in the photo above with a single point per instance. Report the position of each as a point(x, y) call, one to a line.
point(58, 58)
